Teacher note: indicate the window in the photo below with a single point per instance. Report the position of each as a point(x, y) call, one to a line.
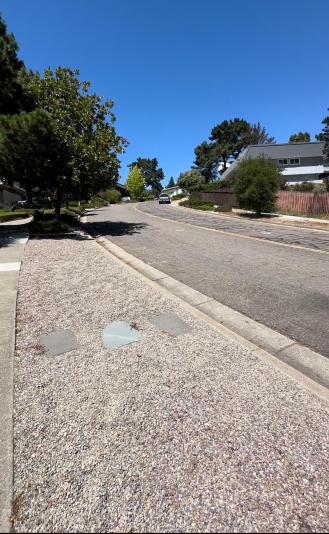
point(294, 161)
point(283, 162)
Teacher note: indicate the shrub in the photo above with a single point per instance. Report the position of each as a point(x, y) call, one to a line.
point(197, 204)
point(49, 226)
point(95, 202)
point(304, 187)
point(146, 195)
point(258, 181)
point(112, 196)
point(179, 196)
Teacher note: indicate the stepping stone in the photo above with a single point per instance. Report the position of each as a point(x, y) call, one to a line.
point(58, 342)
point(171, 324)
point(120, 333)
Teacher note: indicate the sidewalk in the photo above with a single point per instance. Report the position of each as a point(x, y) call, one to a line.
point(188, 433)
point(11, 251)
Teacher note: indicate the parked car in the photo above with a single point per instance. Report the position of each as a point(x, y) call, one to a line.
point(164, 199)
point(125, 199)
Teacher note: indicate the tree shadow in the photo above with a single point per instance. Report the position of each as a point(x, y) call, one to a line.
point(117, 228)
point(9, 236)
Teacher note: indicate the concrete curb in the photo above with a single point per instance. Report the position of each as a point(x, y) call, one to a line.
point(306, 366)
point(8, 296)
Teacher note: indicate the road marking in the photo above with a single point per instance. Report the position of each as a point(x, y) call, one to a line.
point(234, 234)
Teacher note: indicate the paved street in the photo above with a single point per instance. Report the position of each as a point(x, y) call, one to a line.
point(283, 287)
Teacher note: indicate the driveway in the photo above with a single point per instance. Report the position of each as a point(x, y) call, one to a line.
point(275, 274)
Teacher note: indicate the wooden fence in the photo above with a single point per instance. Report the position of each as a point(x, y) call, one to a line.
point(290, 201)
point(297, 202)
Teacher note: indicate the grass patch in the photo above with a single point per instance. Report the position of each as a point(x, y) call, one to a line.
point(204, 205)
point(8, 215)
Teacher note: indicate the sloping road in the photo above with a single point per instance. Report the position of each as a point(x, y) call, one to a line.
point(276, 275)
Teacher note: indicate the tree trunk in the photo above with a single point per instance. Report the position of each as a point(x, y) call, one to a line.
point(29, 195)
point(58, 202)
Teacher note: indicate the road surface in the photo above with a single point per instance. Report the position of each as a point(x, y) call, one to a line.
point(275, 274)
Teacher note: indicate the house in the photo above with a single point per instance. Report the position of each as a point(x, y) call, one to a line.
point(122, 189)
point(173, 191)
point(10, 194)
point(298, 162)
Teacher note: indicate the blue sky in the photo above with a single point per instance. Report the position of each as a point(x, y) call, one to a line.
point(175, 68)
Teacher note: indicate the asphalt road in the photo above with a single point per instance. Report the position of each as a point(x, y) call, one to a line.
point(243, 264)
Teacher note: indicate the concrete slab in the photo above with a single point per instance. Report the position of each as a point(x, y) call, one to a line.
point(58, 342)
point(120, 333)
point(11, 249)
point(10, 266)
point(171, 324)
point(8, 281)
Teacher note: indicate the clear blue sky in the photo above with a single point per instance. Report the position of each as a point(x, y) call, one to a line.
point(175, 68)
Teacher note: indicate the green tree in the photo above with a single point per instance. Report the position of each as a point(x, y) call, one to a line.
point(257, 135)
point(206, 160)
point(171, 182)
point(300, 137)
point(324, 136)
point(31, 152)
point(228, 139)
point(190, 178)
point(258, 181)
point(151, 172)
point(13, 96)
point(135, 183)
point(85, 124)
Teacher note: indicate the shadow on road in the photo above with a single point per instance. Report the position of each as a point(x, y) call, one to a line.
point(117, 228)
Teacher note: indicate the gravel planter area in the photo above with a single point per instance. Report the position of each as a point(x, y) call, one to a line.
point(189, 433)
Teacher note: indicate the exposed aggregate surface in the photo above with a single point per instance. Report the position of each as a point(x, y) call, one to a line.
point(190, 433)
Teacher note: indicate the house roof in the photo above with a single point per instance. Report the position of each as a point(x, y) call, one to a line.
point(280, 151)
point(172, 188)
point(286, 150)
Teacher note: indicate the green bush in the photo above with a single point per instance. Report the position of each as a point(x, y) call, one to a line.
point(197, 204)
point(49, 226)
point(95, 202)
point(179, 196)
point(112, 196)
point(146, 195)
point(258, 181)
point(304, 187)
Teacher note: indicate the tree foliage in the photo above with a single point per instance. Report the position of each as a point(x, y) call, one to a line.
point(258, 181)
point(190, 178)
point(31, 152)
point(151, 172)
point(258, 135)
point(324, 136)
point(13, 96)
point(135, 183)
point(227, 140)
point(171, 182)
point(300, 137)
point(85, 124)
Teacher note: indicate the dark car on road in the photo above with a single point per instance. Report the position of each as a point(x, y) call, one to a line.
point(164, 199)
